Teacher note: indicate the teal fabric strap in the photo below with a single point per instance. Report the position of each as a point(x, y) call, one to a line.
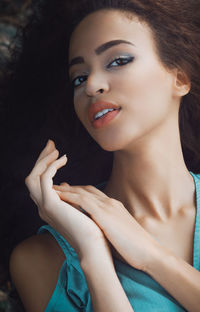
point(145, 294)
point(196, 252)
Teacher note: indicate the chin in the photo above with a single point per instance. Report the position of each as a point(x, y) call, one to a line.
point(110, 146)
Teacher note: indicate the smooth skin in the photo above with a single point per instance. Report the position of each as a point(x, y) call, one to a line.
point(83, 234)
point(150, 194)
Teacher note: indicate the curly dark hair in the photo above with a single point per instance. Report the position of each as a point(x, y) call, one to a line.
point(40, 80)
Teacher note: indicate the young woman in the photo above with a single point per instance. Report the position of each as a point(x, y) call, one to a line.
point(133, 242)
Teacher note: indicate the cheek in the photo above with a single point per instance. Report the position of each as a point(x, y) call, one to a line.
point(144, 89)
point(145, 97)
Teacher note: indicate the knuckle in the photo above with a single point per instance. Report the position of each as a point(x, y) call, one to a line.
point(29, 184)
point(79, 190)
point(27, 180)
point(119, 203)
point(30, 180)
point(64, 184)
point(89, 187)
point(112, 201)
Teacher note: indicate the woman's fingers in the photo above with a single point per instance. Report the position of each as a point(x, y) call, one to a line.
point(46, 177)
point(32, 181)
point(43, 164)
point(70, 201)
point(63, 187)
point(50, 146)
point(79, 188)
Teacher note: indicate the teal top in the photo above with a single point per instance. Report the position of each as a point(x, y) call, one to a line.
point(144, 293)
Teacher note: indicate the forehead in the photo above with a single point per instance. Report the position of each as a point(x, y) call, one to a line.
point(106, 25)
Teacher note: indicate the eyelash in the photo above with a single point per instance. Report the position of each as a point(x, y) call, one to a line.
point(127, 59)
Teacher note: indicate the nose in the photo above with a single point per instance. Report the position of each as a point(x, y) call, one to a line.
point(96, 83)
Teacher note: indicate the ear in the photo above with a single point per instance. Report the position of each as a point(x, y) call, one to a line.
point(182, 83)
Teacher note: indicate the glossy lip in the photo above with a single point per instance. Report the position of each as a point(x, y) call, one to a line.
point(106, 119)
point(98, 107)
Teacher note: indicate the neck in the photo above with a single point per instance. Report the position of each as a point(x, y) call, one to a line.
point(151, 178)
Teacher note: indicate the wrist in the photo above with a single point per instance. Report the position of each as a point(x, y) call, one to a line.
point(98, 254)
point(157, 256)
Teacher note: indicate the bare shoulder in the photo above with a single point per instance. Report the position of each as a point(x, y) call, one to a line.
point(34, 266)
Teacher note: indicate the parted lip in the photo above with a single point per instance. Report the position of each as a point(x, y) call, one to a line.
point(98, 107)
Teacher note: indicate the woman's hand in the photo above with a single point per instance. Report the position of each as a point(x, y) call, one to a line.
point(79, 229)
point(130, 240)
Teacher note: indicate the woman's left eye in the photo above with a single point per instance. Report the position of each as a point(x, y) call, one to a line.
point(120, 61)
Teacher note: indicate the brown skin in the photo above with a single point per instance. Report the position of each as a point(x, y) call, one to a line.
point(145, 135)
point(155, 188)
point(38, 259)
point(28, 261)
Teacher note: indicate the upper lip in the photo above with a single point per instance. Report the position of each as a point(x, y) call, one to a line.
point(98, 107)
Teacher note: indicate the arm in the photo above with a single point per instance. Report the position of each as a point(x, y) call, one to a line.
point(178, 277)
point(81, 232)
point(34, 267)
point(104, 286)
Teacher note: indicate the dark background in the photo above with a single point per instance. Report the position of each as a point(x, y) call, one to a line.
point(13, 13)
point(87, 163)
point(19, 217)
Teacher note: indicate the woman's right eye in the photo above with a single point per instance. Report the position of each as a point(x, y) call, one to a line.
point(76, 82)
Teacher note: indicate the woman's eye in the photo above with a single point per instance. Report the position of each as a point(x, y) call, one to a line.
point(76, 82)
point(120, 61)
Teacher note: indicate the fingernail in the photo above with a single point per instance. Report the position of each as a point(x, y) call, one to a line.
point(63, 157)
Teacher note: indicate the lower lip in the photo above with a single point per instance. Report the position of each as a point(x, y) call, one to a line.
point(106, 119)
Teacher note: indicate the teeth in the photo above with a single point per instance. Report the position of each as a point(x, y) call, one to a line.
point(103, 112)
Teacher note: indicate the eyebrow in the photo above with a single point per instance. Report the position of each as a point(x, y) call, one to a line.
point(102, 48)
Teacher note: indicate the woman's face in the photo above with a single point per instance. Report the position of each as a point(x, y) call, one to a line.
point(129, 75)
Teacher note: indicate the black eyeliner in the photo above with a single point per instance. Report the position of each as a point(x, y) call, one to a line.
point(72, 82)
point(129, 59)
